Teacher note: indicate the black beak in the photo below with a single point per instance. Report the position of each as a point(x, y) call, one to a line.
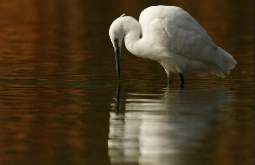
point(117, 60)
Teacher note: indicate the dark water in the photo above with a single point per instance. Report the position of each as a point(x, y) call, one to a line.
point(60, 102)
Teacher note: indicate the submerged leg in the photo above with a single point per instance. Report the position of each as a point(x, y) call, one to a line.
point(182, 79)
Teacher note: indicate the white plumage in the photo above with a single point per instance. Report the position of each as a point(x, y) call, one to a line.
point(169, 35)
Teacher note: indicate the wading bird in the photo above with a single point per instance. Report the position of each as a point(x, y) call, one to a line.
point(171, 36)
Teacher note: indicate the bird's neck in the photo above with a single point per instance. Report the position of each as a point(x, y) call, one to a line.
point(133, 41)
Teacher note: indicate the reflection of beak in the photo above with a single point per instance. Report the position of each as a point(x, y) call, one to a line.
point(117, 100)
point(117, 57)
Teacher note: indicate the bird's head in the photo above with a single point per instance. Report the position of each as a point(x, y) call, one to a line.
point(117, 33)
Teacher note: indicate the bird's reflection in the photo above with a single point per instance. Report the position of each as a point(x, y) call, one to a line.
point(117, 100)
point(160, 128)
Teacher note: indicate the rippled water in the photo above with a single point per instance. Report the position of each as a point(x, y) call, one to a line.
point(60, 102)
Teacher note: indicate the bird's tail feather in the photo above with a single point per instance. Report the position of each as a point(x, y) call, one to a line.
point(217, 71)
point(228, 58)
point(222, 65)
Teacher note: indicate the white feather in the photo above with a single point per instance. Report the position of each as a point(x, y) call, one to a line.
point(175, 39)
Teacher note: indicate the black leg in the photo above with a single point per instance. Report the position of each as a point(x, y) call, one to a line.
point(182, 79)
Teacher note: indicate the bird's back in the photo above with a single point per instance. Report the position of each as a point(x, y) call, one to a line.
point(175, 31)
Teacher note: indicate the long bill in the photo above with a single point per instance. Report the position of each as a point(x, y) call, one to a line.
point(117, 60)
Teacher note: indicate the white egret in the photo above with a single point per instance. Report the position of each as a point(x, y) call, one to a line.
point(171, 36)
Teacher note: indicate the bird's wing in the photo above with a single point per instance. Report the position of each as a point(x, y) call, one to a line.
point(180, 33)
